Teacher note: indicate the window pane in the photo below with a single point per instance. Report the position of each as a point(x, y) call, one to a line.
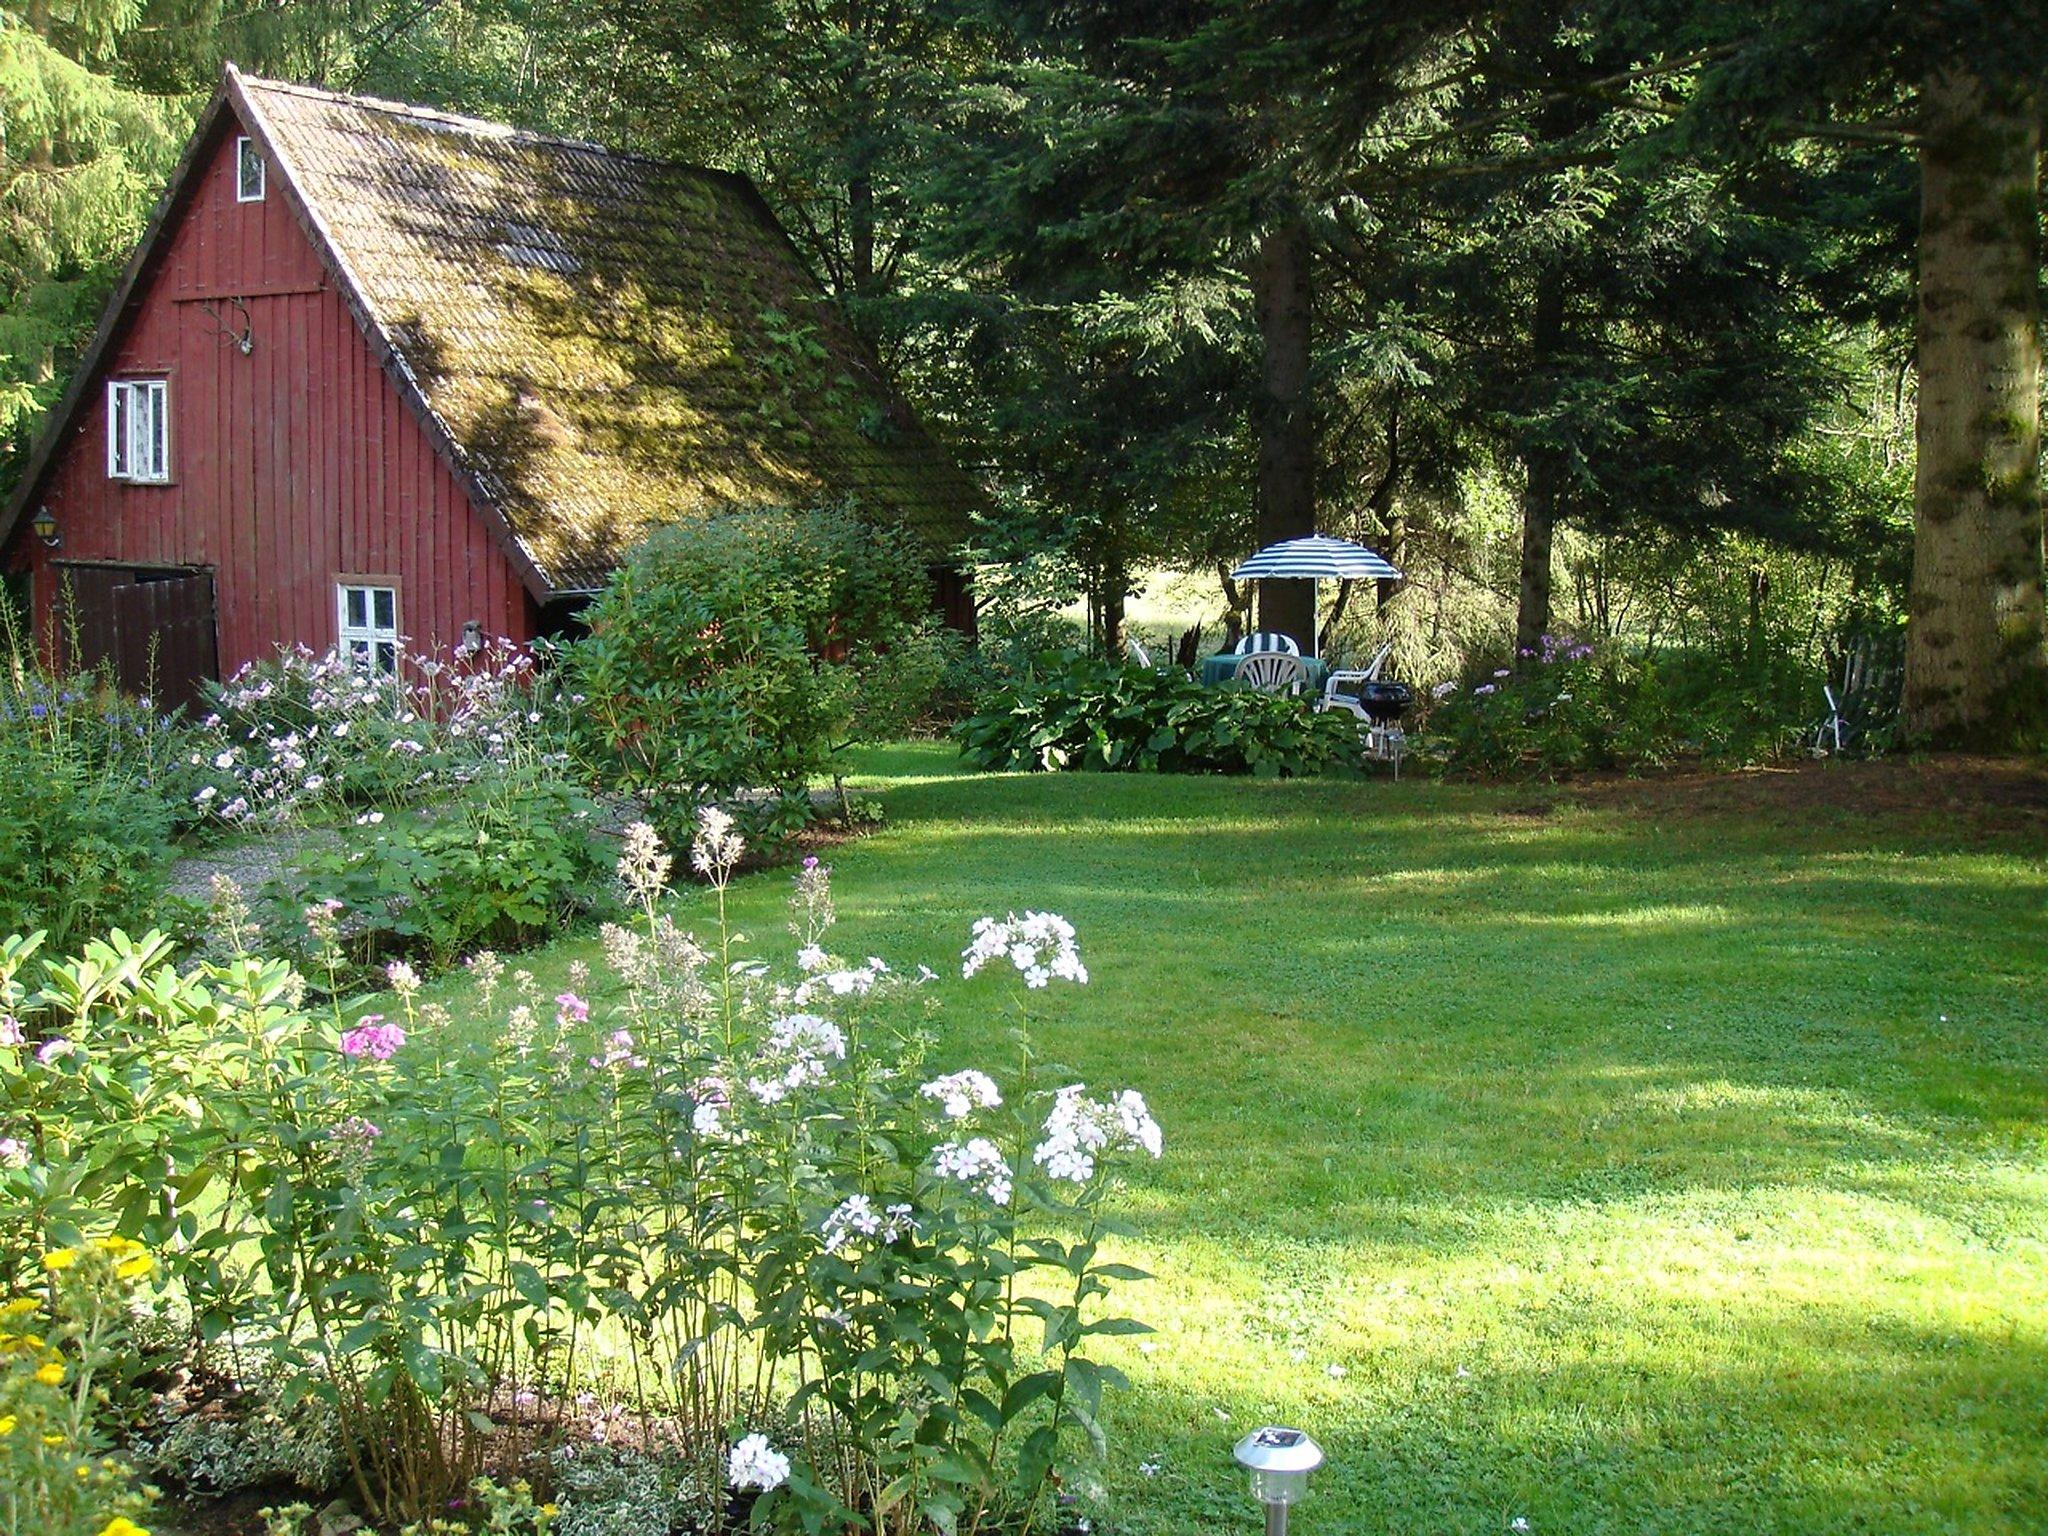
point(358, 600)
point(359, 652)
point(387, 656)
point(158, 419)
point(117, 429)
point(387, 608)
point(249, 171)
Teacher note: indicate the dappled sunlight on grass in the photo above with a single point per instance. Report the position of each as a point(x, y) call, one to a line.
point(1637, 1171)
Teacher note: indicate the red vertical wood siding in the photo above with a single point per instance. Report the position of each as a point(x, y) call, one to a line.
point(291, 467)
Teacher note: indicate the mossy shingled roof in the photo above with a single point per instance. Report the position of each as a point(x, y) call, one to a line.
point(609, 342)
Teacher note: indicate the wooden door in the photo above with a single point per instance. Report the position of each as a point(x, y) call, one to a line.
point(152, 628)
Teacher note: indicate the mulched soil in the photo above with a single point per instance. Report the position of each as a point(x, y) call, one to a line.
point(1984, 794)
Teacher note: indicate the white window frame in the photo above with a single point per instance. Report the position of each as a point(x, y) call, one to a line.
point(139, 430)
point(248, 153)
point(366, 643)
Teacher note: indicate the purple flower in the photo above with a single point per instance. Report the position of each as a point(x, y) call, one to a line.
point(1500, 672)
point(810, 861)
point(1484, 688)
point(10, 1030)
point(374, 1038)
point(570, 1009)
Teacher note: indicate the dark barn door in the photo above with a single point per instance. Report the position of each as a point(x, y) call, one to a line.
point(152, 628)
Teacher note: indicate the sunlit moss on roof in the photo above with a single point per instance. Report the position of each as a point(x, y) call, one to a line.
point(612, 342)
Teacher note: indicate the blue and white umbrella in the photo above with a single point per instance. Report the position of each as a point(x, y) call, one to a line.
point(1315, 558)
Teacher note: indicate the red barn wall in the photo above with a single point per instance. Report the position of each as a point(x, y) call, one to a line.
point(291, 467)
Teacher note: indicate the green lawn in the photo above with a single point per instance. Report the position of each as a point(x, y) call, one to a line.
point(1616, 1167)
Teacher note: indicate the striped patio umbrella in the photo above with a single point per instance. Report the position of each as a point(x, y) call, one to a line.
point(1315, 558)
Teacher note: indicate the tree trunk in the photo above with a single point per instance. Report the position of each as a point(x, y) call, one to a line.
point(1539, 486)
point(1281, 292)
point(1976, 674)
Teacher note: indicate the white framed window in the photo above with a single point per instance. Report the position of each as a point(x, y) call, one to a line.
point(369, 625)
point(139, 430)
point(248, 171)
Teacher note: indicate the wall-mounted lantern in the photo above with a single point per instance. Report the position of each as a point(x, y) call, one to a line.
point(44, 524)
point(1279, 1460)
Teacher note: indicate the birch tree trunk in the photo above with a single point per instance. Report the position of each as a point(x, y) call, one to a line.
point(1976, 674)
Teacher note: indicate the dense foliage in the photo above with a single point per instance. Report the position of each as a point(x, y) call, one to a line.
point(737, 653)
point(1568, 708)
point(1078, 712)
point(730, 1202)
point(84, 825)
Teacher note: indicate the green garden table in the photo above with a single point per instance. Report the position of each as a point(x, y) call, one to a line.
point(1217, 669)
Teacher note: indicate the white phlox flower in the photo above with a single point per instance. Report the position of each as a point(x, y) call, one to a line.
point(754, 1463)
point(959, 1094)
point(1040, 945)
point(978, 1163)
point(1078, 1128)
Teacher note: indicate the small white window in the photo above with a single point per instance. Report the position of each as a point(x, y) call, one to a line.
point(369, 626)
point(139, 430)
point(248, 171)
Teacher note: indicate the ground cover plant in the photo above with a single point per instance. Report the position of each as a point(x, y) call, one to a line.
point(1621, 1158)
point(1077, 711)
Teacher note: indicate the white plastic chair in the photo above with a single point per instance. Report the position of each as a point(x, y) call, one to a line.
point(1272, 671)
point(1385, 743)
point(1138, 652)
point(1268, 640)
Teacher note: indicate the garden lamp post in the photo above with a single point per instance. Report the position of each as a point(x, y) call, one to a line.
point(1279, 1460)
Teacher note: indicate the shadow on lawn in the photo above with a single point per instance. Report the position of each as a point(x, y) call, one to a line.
point(1583, 1429)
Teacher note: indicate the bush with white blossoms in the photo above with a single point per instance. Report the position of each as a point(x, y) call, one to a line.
point(720, 1209)
point(304, 734)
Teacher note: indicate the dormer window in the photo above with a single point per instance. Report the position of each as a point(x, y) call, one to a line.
point(248, 171)
point(139, 430)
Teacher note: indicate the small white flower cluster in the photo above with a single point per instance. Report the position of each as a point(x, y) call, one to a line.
point(854, 981)
point(807, 1041)
point(712, 1099)
point(754, 1463)
point(1039, 944)
point(644, 866)
point(856, 1216)
point(1078, 1128)
point(961, 1093)
point(979, 1162)
point(716, 848)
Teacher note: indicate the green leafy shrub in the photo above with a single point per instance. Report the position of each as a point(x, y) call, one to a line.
point(504, 861)
point(702, 1192)
point(737, 653)
point(84, 826)
point(1569, 709)
point(1082, 712)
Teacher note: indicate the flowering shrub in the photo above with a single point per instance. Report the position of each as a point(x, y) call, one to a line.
point(84, 829)
point(1083, 712)
point(302, 733)
point(56, 1478)
point(726, 1203)
point(1566, 708)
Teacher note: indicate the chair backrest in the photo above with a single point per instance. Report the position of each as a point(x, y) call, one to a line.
point(1138, 652)
point(1271, 672)
point(1266, 640)
point(1379, 660)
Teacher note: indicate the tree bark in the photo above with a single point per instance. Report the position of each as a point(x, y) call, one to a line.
point(1539, 487)
point(1976, 672)
point(1282, 308)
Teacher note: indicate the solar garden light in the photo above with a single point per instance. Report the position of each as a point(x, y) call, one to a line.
point(1279, 1461)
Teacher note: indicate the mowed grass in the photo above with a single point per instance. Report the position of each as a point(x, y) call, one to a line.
point(1678, 1166)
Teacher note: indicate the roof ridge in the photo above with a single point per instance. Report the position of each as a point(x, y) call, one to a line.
point(483, 127)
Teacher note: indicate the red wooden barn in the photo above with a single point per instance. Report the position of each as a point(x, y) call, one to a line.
point(380, 372)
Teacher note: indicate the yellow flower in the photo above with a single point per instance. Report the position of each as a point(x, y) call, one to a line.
point(121, 1525)
point(53, 1439)
point(52, 1374)
point(117, 1246)
point(7, 1423)
point(21, 1306)
point(135, 1268)
point(83, 1473)
point(63, 1258)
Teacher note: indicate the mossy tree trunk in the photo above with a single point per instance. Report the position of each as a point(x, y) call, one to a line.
point(1282, 308)
point(1976, 674)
